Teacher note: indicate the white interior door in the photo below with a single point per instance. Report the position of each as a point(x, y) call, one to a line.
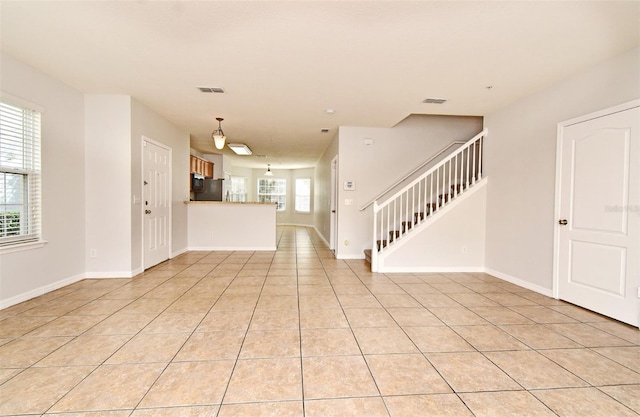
point(598, 253)
point(156, 169)
point(333, 226)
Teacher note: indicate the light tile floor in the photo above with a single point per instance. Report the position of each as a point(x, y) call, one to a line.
point(298, 333)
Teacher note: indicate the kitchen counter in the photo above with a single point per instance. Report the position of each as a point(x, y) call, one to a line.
point(227, 226)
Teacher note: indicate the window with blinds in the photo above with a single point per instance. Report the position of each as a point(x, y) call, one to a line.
point(303, 195)
point(273, 191)
point(237, 190)
point(19, 174)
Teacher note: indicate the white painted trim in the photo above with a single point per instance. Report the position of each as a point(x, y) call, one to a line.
point(179, 252)
point(19, 247)
point(111, 274)
point(21, 102)
point(333, 205)
point(445, 269)
point(40, 291)
point(558, 192)
point(601, 113)
point(232, 248)
point(321, 237)
point(519, 282)
point(351, 256)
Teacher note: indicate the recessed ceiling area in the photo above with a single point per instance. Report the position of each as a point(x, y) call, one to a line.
point(283, 65)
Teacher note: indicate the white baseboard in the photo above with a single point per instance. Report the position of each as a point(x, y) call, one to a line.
point(350, 256)
point(430, 269)
point(112, 274)
point(231, 248)
point(179, 252)
point(40, 291)
point(321, 237)
point(519, 282)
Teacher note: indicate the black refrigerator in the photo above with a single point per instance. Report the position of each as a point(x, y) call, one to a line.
point(212, 191)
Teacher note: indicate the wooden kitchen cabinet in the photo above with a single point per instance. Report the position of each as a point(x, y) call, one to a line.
point(193, 164)
point(207, 170)
point(201, 166)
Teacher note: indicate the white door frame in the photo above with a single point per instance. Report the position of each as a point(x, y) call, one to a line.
point(169, 193)
point(333, 214)
point(558, 191)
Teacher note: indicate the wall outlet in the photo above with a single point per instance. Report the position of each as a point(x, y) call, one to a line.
point(93, 253)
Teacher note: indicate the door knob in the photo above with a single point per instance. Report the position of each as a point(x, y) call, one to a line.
point(562, 222)
point(147, 212)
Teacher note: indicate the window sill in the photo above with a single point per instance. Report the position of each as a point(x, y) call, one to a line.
point(18, 247)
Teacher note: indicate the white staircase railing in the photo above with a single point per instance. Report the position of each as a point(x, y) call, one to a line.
point(426, 195)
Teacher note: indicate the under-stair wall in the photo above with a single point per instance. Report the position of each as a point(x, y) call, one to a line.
point(453, 241)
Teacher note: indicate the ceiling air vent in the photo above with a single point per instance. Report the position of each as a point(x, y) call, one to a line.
point(211, 89)
point(434, 100)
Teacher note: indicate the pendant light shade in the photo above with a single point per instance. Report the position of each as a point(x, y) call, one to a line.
point(268, 173)
point(218, 135)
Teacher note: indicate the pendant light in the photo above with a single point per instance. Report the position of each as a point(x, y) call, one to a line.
point(268, 173)
point(218, 135)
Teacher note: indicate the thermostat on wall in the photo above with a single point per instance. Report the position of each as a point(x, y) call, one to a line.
point(349, 185)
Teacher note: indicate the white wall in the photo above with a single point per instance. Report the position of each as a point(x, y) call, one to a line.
point(218, 164)
point(394, 153)
point(322, 190)
point(451, 241)
point(520, 163)
point(108, 185)
point(61, 261)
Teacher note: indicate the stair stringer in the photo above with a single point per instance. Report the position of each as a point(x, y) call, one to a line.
point(465, 215)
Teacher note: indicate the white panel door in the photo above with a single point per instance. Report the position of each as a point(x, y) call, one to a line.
point(156, 192)
point(599, 219)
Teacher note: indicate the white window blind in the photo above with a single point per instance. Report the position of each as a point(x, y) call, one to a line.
point(273, 191)
point(303, 195)
point(19, 174)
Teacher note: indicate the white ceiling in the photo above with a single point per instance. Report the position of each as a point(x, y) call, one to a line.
point(283, 64)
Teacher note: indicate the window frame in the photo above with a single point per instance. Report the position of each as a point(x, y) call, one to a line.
point(23, 121)
point(239, 197)
point(282, 197)
point(298, 195)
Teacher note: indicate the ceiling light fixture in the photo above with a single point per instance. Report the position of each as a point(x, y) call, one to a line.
point(239, 148)
point(218, 135)
point(268, 173)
